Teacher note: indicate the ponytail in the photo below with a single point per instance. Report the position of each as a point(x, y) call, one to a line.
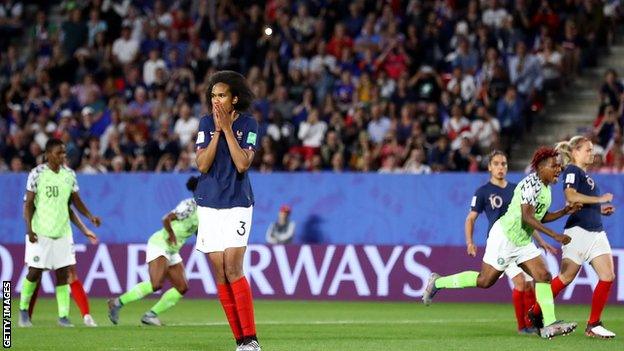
point(565, 148)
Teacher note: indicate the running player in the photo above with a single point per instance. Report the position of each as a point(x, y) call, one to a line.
point(510, 241)
point(77, 290)
point(49, 245)
point(226, 143)
point(493, 198)
point(164, 261)
point(589, 240)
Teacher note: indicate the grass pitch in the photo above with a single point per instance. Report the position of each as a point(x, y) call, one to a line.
point(307, 325)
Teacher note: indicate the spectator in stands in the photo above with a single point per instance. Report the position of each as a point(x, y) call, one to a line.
point(186, 125)
point(415, 163)
point(125, 48)
point(281, 231)
point(509, 112)
point(407, 63)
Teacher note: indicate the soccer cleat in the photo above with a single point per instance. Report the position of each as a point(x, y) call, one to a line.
point(150, 318)
point(536, 319)
point(89, 321)
point(527, 331)
point(430, 290)
point(597, 330)
point(24, 319)
point(251, 345)
point(113, 310)
point(64, 322)
point(557, 328)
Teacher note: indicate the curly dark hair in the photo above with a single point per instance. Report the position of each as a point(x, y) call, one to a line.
point(191, 183)
point(51, 143)
point(238, 87)
point(541, 154)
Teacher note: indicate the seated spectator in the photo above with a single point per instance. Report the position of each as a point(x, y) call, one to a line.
point(186, 125)
point(281, 231)
point(379, 124)
point(311, 133)
point(552, 68)
point(415, 163)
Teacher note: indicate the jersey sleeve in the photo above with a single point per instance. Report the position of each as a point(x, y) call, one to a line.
point(33, 179)
point(529, 192)
point(572, 178)
point(477, 204)
point(75, 187)
point(206, 125)
point(250, 136)
point(184, 209)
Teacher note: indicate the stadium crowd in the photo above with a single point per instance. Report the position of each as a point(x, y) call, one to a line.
point(608, 125)
point(393, 86)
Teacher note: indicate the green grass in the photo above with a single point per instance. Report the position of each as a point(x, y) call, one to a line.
point(303, 325)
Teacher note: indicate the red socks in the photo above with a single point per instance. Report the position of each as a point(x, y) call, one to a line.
point(518, 302)
point(599, 300)
point(529, 301)
point(77, 292)
point(80, 296)
point(244, 306)
point(226, 296)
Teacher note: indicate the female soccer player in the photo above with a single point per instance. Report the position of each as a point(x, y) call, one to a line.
point(226, 143)
point(589, 240)
point(77, 290)
point(509, 241)
point(49, 245)
point(493, 198)
point(164, 261)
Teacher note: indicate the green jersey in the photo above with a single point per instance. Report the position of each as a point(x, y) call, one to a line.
point(183, 227)
point(530, 191)
point(52, 194)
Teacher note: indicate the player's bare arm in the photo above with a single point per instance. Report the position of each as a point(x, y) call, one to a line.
point(93, 239)
point(205, 157)
point(572, 195)
point(568, 209)
point(29, 211)
point(528, 217)
point(170, 217)
point(82, 208)
point(471, 248)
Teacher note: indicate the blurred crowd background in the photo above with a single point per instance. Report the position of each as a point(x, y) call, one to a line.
point(393, 86)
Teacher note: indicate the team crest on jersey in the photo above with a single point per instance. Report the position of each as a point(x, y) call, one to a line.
point(590, 182)
point(500, 261)
point(239, 135)
point(496, 201)
point(36, 258)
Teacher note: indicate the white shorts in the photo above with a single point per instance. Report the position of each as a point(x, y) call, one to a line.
point(500, 252)
point(221, 228)
point(153, 252)
point(585, 245)
point(513, 270)
point(49, 253)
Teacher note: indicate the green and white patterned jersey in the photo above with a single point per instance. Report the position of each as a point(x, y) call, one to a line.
point(52, 192)
point(530, 191)
point(183, 227)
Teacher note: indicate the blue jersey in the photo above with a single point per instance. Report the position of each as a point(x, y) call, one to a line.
point(492, 199)
point(222, 186)
point(589, 216)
